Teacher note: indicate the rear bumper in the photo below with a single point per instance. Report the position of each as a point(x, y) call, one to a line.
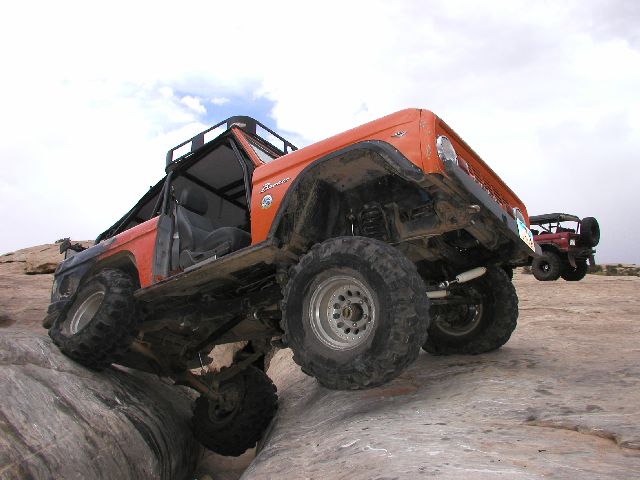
point(505, 223)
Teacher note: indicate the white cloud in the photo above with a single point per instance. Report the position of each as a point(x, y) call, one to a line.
point(193, 103)
point(220, 100)
point(93, 96)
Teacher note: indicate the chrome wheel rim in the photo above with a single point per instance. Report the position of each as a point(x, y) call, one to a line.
point(342, 312)
point(85, 312)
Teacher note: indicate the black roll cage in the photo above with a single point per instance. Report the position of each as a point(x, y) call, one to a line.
point(248, 124)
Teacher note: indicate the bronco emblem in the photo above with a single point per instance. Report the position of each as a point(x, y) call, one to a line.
point(269, 185)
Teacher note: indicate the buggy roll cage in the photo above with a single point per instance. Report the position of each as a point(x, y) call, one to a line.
point(247, 124)
point(551, 218)
point(550, 222)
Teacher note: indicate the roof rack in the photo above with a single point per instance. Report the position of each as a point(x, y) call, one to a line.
point(248, 124)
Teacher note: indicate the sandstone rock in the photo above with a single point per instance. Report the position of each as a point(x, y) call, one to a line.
point(135, 425)
point(60, 420)
point(559, 400)
point(43, 260)
point(38, 259)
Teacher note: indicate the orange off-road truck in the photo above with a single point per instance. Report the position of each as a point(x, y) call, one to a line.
point(355, 252)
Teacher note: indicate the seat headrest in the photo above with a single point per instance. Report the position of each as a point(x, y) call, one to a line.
point(194, 200)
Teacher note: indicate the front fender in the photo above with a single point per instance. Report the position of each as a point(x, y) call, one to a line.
point(388, 157)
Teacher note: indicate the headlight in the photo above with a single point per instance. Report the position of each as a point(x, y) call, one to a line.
point(445, 150)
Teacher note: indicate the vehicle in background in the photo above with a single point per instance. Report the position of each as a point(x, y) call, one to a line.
point(567, 244)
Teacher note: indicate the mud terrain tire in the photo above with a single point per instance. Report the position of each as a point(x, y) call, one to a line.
point(480, 328)
point(589, 232)
point(571, 274)
point(232, 432)
point(99, 326)
point(355, 313)
point(547, 267)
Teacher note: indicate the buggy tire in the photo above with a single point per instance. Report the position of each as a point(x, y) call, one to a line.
point(232, 433)
point(508, 270)
point(99, 326)
point(494, 318)
point(547, 267)
point(571, 274)
point(377, 294)
point(589, 232)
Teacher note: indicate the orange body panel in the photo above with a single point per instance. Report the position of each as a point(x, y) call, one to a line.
point(290, 166)
point(417, 144)
point(138, 242)
point(478, 169)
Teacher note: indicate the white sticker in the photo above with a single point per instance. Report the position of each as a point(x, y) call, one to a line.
point(525, 234)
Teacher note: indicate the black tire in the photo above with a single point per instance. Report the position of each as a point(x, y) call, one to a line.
point(232, 431)
point(480, 327)
point(571, 274)
point(508, 270)
point(589, 232)
point(547, 267)
point(100, 324)
point(385, 342)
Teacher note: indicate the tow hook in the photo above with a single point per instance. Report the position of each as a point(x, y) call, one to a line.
point(460, 278)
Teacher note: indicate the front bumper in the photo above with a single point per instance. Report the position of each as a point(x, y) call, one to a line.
point(506, 223)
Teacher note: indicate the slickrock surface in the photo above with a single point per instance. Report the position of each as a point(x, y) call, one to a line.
point(560, 400)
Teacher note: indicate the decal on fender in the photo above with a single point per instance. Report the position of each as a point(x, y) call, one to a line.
point(266, 202)
point(269, 185)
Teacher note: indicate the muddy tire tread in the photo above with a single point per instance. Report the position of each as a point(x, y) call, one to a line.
point(409, 314)
point(108, 336)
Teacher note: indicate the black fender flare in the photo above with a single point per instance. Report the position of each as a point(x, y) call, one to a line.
point(393, 160)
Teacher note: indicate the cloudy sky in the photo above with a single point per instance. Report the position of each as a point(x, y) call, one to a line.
point(93, 94)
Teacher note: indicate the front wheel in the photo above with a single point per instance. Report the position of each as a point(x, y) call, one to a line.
point(480, 317)
point(547, 267)
point(235, 423)
point(100, 324)
point(355, 313)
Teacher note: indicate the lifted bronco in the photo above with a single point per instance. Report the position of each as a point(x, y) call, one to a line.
point(565, 247)
point(355, 251)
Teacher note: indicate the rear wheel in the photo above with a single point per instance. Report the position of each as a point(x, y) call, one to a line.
point(99, 326)
point(355, 313)
point(571, 274)
point(481, 316)
point(238, 420)
point(546, 267)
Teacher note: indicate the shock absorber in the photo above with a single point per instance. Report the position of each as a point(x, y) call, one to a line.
point(373, 222)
